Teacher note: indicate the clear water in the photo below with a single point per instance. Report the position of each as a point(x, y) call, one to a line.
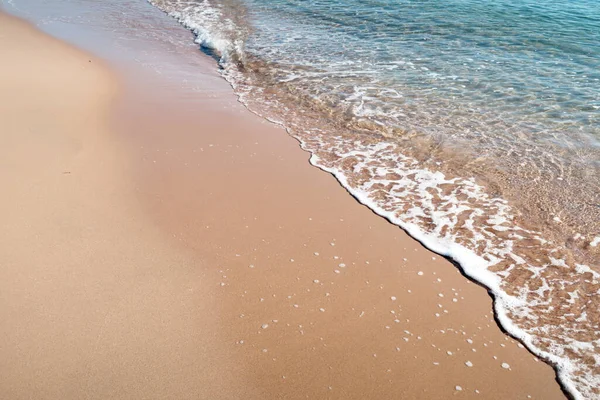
point(447, 67)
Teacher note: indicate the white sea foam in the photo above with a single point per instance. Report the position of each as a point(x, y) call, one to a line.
point(213, 30)
point(473, 265)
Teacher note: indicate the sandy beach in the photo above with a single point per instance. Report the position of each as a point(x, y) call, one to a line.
point(162, 242)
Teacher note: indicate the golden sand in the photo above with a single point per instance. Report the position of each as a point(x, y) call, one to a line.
point(194, 253)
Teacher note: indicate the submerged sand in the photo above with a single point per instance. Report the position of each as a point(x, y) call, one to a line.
point(163, 243)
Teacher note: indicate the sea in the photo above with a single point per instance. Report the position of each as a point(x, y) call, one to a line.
point(474, 125)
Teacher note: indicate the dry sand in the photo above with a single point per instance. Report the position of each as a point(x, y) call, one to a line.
point(94, 302)
point(155, 244)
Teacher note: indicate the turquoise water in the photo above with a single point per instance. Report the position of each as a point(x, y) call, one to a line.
point(531, 66)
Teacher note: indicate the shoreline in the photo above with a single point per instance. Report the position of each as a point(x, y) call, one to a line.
point(225, 224)
point(496, 268)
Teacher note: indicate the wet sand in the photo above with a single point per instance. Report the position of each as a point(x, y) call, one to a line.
point(160, 242)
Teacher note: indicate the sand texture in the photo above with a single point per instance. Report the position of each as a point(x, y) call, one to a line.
point(161, 243)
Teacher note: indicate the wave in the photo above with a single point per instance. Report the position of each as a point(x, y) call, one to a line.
point(214, 31)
